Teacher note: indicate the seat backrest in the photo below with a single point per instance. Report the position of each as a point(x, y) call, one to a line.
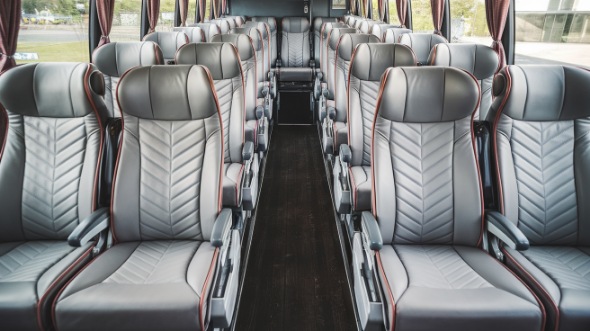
point(479, 60)
point(351, 21)
point(231, 21)
point(223, 25)
point(295, 42)
point(272, 24)
point(541, 138)
point(367, 65)
point(223, 62)
point(256, 38)
point(264, 29)
point(367, 26)
point(333, 41)
point(209, 30)
point(50, 155)
point(168, 176)
point(427, 188)
point(114, 59)
point(344, 50)
point(248, 60)
point(196, 34)
point(169, 43)
point(421, 44)
point(392, 35)
point(325, 42)
point(317, 35)
point(358, 22)
point(379, 29)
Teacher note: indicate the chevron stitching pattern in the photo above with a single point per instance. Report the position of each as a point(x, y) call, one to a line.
point(439, 267)
point(27, 262)
point(569, 267)
point(156, 262)
point(225, 92)
point(172, 155)
point(422, 158)
point(55, 152)
point(544, 165)
point(296, 47)
point(368, 91)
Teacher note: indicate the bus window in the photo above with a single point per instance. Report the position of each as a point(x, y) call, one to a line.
point(166, 20)
point(422, 16)
point(53, 31)
point(393, 19)
point(375, 10)
point(552, 31)
point(192, 12)
point(126, 20)
point(468, 22)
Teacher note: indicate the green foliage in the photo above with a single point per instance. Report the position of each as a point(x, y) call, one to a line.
point(473, 13)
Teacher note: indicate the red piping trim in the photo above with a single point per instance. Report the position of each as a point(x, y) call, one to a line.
point(393, 310)
point(495, 136)
point(4, 114)
point(204, 292)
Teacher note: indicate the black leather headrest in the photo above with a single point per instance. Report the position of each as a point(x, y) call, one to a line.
point(328, 27)
point(544, 92)
point(169, 42)
point(427, 95)
point(349, 41)
point(371, 60)
point(200, 32)
point(254, 35)
point(261, 26)
point(220, 58)
point(336, 34)
point(272, 22)
point(113, 59)
point(392, 35)
point(58, 90)
point(480, 60)
point(240, 41)
point(295, 25)
point(189, 93)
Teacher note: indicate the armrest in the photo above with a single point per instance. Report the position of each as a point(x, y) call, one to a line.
point(221, 227)
point(260, 111)
point(248, 151)
point(90, 227)
point(371, 231)
point(345, 153)
point(331, 113)
point(506, 231)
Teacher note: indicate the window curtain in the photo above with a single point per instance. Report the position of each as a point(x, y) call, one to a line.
point(352, 5)
point(496, 14)
point(223, 7)
point(10, 15)
point(382, 10)
point(215, 6)
point(183, 8)
point(402, 11)
point(438, 9)
point(105, 10)
point(365, 7)
point(201, 11)
point(153, 13)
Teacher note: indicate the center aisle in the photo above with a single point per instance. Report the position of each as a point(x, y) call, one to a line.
point(295, 278)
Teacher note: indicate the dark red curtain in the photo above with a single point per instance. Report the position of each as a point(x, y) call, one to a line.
point(352, 5)
point(201, 12)
point(438, 8)
point(153, 13)
point(105, 9)
point(496, 14)
point(382, 10)
point(223, 7)
point(10, 15)
point(365, 8)
point(183, 9)
point(402, 11)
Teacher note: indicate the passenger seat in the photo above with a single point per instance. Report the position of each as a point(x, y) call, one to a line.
point(223, 24)
point(378, 30)
point(169, 43)
point(421, 44)
point(295, 42)
point(318, 23)
point(209, 30)
point(392, 35)
point(272, 24)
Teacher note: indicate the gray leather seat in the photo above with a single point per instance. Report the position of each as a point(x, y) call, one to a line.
point(368, 64)
point(167, 221)
point(379, 29)
point(114, 59)
point(169, 43)
point(196, 34)
point(295, 50)
point(231, 21)
point(223, 24)
point(541, 138)
point(421, 44)
point(264, 29)
point(318, 23)
point(351, 20)
point(392, 35)
point(209, 30)
point(479, 60)
point(367, 26)
point(48, 178)
point(324, 44)
point(427, 206)
point(272, 24)
point(257, 41)
point(358, 22)
point(223, 62)
point(333, 40)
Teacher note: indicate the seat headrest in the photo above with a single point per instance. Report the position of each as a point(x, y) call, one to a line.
point(543, 92)
point(452, 94)
point(421, 44)
point(254, 35)
point(379, 30)
point(113, 59)
point(223, 24)
point(195, 34)
point(358, 22)
point(367, 26)
point(392, 35)
point(169, 42)
point(328, 27)
point(272, 22)
point(240, 41)
point(480, 60)
point(188, 93)
point(260, 26)
point(369, 61)
point(318, 21)
point(349, 41)
point(221, 59)
point(58, 90)
point(295, 25)
point(336, 34)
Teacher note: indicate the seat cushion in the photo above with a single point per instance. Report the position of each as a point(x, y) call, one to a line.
point(561, 278)
point(444, 287)
point(139, 286)
point(232, 184)
point(31, 273)
point(361, 187)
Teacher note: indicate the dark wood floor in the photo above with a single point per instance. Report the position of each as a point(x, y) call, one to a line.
point(295, 278)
